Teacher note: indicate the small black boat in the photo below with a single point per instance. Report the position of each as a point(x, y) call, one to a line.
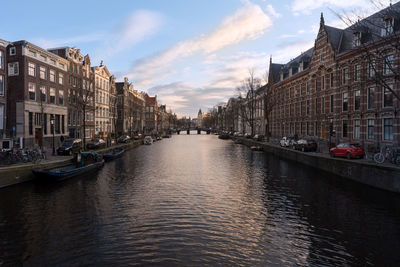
point(113, 154)
point(90, 161)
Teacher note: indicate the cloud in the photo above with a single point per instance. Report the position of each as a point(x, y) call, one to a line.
point(306, 6)
point(247, 23)
point(224, 74)
point(288, 51)
point(138, 26)
point(271, 11)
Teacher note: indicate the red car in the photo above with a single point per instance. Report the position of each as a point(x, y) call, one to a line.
point(348, 150)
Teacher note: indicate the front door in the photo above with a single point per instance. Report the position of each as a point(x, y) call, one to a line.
point(38, 136)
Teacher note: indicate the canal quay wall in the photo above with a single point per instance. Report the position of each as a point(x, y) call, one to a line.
point(20, 173)
point(372, 174)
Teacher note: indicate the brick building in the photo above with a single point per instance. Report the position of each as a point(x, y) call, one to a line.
point(341, 84)
point(130, 109)
point(151, 112)
point(4, 134)
point(36, 95)
point(80, 82)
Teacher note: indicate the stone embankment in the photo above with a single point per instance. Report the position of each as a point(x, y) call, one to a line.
point(382, 176)
point(19, 173)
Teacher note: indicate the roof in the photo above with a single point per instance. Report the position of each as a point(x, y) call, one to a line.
point(342, 39)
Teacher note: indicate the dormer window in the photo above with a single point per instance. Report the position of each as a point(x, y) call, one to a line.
point(301, 67)
point(290, 71)
point(357, 39)
point(389, 23)
point(281, 76)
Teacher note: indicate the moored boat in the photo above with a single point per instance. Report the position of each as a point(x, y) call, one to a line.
point(113, 154)
point(90, 161)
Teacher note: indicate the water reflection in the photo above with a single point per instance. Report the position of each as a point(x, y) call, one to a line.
point(198, 200)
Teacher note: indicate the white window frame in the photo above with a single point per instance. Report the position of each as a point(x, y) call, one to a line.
point(13, 69)
point(13, 51)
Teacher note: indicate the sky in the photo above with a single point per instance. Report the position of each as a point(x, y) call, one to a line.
point(191, 54)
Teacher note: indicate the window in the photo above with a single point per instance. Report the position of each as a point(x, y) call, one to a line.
point(331, 79)
point(345, 102)
point(31, 69)
point(61, 78)
point(308, 88)
point(357, 70)
point(371, 124)
point(344, 125)
point(357, 39)
point(331, 103)
point(308, 107)
point(57, 124)
point(61, 97)
point(388, 66)
point(43, 94)
point(13, 69)
point(32, 91)
point(323, 105)
point(63, 124)
point(316, 84)
point(52, 125)
point(13, 51)
point(2, 85)
point(356, 129)
point(388, 129)
point(316, 106)
point(43, 73)
point(45, 123)
point(52, 76)
point(371, 69)
point(371, 97)
point(52, 95)
point(344, 76)
point(30, 123)
point(323, 82)
point(356, 99)
point(388, 27)
point(1, 59)
point(387, 97)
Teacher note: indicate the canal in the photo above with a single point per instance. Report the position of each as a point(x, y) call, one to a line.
point(197, 200)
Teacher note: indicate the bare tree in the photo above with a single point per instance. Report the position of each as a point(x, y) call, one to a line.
point(84, 105)
point(377, 40)
point(247, 94)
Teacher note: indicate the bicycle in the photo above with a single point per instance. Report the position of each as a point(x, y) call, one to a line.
point(387, 153)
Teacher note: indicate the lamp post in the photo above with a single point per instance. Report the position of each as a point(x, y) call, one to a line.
point(52, 129)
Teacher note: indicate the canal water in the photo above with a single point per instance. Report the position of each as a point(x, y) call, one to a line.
point(195, 200)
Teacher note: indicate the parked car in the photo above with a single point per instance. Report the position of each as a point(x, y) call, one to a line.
point(124, 139)
point(305, 145)
point(137, 136)
point(70, 146)
point(247, 135)
point(348, 150)
point(258, 137)
point(96, 144)
point(286, 141)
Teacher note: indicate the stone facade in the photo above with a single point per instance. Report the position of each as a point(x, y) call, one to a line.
point(80, 82)
point(102, 100)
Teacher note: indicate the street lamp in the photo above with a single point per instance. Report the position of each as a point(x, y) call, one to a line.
point(52, 129)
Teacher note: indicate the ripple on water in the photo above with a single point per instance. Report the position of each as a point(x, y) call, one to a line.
point(197, 200)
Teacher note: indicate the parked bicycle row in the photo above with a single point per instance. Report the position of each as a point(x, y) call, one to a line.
point(18, 155)
point(349, 150)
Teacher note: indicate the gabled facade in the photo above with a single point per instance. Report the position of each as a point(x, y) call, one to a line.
point(102, 100)
point(329, 92)
point(151, 115)
point(80, 82)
